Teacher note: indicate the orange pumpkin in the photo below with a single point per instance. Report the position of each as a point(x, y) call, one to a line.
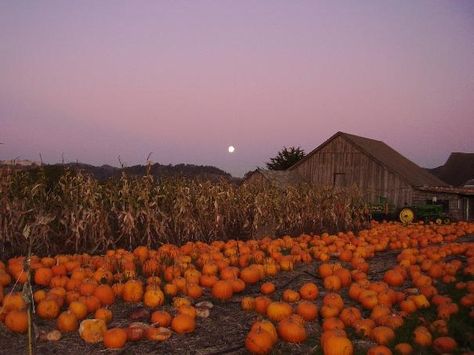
point(444, 345)
point(92, 330)
point(17, 321)
point(79, 309)
point(43, 276)
point(292, 330)
point(67, 322)
point(133, 291)
point(277, 311)
point(183, 323)
point(307, 310)
point(161, 318)
point(48, 309)
point(104, 314)
point(105, 294)
point(267, 288)
point(309, 291)
point(222, 290)
point(153, 298)
point(259, 342)
point(115, 338)
point(338, 345)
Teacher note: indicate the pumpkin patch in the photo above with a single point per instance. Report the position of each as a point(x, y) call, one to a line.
point(324, 291)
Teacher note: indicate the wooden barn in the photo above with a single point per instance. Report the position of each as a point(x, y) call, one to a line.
point(380, 173)
point(278, 178)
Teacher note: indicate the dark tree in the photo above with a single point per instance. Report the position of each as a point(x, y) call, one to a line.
point(286, 158)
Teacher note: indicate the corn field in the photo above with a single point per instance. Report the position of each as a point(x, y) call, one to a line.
point(79, 214)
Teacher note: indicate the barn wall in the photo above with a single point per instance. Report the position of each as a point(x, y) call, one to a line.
point(340, 162)
point(255, 178)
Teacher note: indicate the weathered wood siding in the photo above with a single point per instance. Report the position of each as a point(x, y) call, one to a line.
point(255, 178)
point(341, 157)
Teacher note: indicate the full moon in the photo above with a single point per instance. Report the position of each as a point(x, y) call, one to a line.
point(231, 148)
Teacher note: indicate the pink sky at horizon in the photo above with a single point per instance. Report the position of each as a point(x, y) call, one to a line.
point(184, 80)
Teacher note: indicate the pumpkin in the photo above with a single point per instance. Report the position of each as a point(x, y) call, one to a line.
point(379, 350)
point(188, 309)
point(132, 291)
point(161, 318)
point(104, 314)
point(333, 323)
point(393, 278)
point(292, 330)
point(350, 315)
point(238, 285)
point(43, 276)
point(333, 299)
point(266, 326)
point(331, 333)
point(17, 321)
point(307, 310)
point(344, 276)
point(277, 311)
point(115, 338)
point(248, 303)
point(290, 296)
point(259, 341)
point(79, 309)
point(250, 275)
point(105, 294)
point(222, 290)
point(5, 278)
point(92, 330)
point(261, 304)
point(181, 301)
point(382, 335)
point(67, 322)
point(87, 287)
point(444, 345)
point(13, 302)
point(183, 323)
point(309, 291)
point(332, 283)
point(403, 349)
point(92, 303)
point(338, 345)
point(267, 288)
point(48, 309)
point(153, 298)
point(195, 291)
point(422, 336)
point(364, 327)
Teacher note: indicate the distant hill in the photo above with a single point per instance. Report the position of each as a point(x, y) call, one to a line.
point(105, 172)
point(458, 169)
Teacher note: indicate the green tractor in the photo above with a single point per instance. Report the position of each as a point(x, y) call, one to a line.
point(427, 213)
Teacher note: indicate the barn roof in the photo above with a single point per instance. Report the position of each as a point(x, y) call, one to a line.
point(281, 178)
point(467, 191)
point(458, 169)
point(388, 157)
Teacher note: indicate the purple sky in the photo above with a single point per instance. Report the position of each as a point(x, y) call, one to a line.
point(99, 79)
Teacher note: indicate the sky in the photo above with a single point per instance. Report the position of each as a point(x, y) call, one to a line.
point(96, 80)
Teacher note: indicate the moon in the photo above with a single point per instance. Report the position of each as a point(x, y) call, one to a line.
point(231, 149)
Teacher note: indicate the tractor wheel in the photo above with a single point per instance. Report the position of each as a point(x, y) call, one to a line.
point(438, 221)
point(406, 215)
point(447, 220)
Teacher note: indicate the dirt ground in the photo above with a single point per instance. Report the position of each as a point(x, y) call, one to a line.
point(223, 332)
